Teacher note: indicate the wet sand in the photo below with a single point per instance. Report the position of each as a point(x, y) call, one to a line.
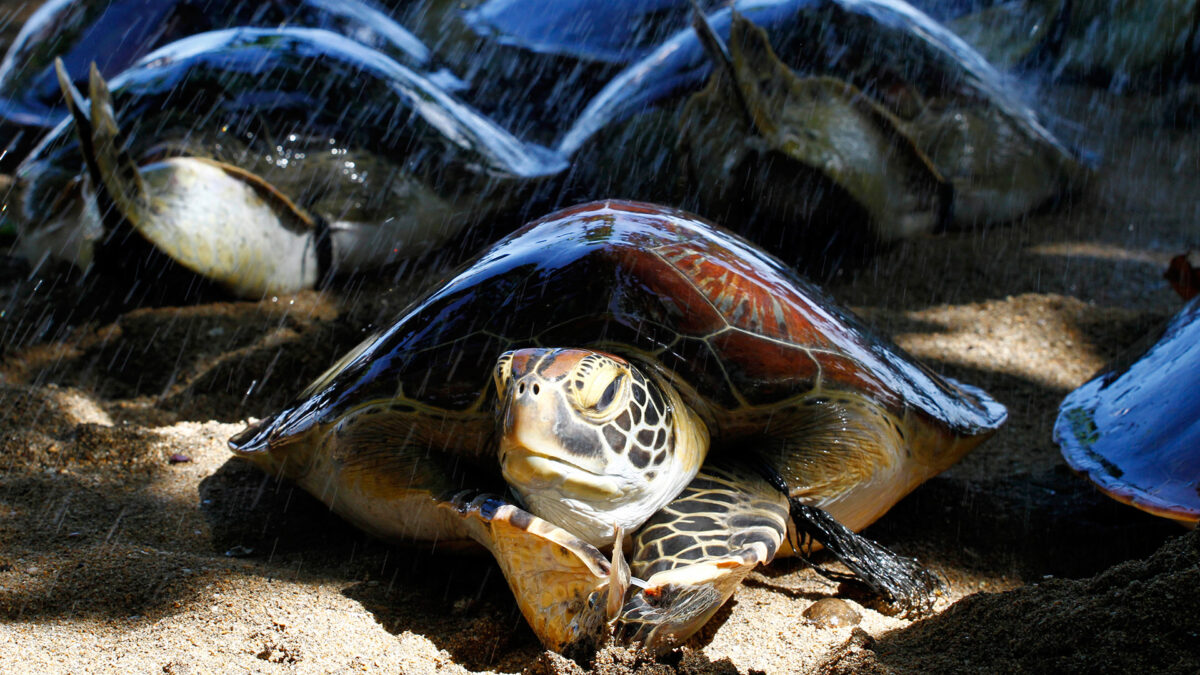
point(132, 541)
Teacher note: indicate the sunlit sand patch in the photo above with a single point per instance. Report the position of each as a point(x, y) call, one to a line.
point(780, 600)
point(1101, 251)
point(202, 439)
point(79, 407)
point(1035, 337)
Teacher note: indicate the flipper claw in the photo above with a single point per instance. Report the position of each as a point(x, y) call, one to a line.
point(620, 576)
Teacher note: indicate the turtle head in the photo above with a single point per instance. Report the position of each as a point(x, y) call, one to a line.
point(589, 442)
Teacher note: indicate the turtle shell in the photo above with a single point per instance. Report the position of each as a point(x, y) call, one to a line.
point(736, 329)
point(1134, 430)
point(114, 34)
point(532, 65)
point(617, 31)
point(944, 98)
point(273, 103)
point(889, 50)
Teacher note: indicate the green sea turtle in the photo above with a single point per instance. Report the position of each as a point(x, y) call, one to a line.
point(626, 368)
point(862, 122)
point(233, 155)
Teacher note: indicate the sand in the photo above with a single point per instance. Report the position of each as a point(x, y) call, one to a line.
point(132, 541)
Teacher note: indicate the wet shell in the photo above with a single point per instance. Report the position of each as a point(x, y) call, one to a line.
point(387, 175)
point(615, 31)
point(1134, 430)
point(735, 327)
point(756, 356)
point(116, 34)
point(944, 95)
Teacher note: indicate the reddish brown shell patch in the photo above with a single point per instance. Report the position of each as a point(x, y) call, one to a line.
point(749, 298)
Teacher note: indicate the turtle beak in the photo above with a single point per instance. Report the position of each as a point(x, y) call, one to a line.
point(528, 414)
point(517, 385)
point(521, 402)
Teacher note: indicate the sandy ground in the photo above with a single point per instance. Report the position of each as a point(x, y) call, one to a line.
point(132, 541)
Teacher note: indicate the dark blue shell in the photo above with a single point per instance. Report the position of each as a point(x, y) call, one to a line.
point(877, 45)
point(1134, 430)
point(114, 34)
point(612, 31)
point(292, 97)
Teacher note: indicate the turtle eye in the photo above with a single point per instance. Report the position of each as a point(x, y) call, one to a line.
point(601, 391)
point(610, 393)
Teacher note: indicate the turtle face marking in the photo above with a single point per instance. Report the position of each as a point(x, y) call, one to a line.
point(589, 442)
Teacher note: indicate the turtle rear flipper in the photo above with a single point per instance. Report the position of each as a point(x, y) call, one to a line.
point(213, 219)
point(902, 582)
point(843, 462)
point(696, 550)
point(563, 585)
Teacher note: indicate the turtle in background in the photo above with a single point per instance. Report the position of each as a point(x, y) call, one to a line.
point(532, 65)
point(624, 368)
point(115, 34)
point(812, 150)
point(782, 119)
point(233, 156)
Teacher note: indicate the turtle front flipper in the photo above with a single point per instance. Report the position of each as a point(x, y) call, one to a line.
point(213, 219)
point(695, 552)
point(564, 585)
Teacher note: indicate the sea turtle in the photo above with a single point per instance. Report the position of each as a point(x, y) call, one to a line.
point(235, 154)
point(626, 367)
point(939, 93)
point(794, 149)
point(114, 34)
point(1134, 430)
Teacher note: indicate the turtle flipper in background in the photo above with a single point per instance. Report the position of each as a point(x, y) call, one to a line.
point(213, 219)
point(224, 167)
point(762, 127)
